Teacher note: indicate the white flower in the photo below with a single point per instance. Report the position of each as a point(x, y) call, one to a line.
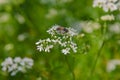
point(13, 66)
point(59, 36)
point(40, 47)
point(8, 61)
point(48, 40)
point(44, 45)
point(111, 65)
point(20, 18)
point(14, 73)
point(98, 3)
point(17, 59)
point(115, 28)
point(52, 30)
point(72, 32)
point(73, 46)
point(9, 47)
point(66, 51)
point(51, 14)
point(107, 5)
point(48, 47)
point(89, 26)
point(64, 44)
point(28, 62)
point(22, 37)
point(107, 18)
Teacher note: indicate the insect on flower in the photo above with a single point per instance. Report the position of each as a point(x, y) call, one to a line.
point(62, 30)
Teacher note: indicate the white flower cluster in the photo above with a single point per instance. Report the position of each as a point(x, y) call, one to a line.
point(115, 28)
point(107, 5)
point(88, 26)
point(59, 36)
point(107, 18)
point(111, 65)
point(62, 31)
point(13, 66)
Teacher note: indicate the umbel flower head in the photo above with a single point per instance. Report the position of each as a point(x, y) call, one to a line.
point(13, 66)
point(56, 29)
point(107, 5)
point(107, 18)
point(59, 36)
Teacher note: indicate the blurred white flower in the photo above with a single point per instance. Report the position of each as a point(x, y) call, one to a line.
point(39, 78)
point(98, 3)
point(17, 59)
point(51, 13)
point(13, 66)
point(107, 5)
point(88, 26)
point(107, 18)
point(115, 28)
point(28, 62)
point(22, 37)
point(4, 2)
point(111, 65)
point(8, 62)
point(20, 18)
point(118, 4)
point(4, 17)
point(9, 47)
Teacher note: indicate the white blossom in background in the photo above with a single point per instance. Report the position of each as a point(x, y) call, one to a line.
point(107, 18)
point(118, 4)
point(22, 37)
point(2, 2)
point(9, 47)
point(87, 26)
point(59, 36)
point(4, 17)
point(115, 28)
point(13, 66)
point(112, 64)
point(51, 13)
point(107, 5)
point(20, 18)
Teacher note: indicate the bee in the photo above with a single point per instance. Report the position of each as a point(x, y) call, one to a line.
point(62, 30)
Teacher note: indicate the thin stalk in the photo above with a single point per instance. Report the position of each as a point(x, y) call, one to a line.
point(96, 59)
point(99, 52)
point(70, 69)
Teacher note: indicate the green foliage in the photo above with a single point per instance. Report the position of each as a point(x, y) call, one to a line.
point(24, 22)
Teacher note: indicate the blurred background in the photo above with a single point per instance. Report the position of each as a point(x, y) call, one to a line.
point(24, 22)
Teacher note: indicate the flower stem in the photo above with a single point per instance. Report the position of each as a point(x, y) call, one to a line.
point(70, 69)
point(99, 51)
point(96, 59)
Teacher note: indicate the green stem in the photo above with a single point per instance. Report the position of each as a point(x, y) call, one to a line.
point(96, 59)
point(70, 69)
point(99, 51)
